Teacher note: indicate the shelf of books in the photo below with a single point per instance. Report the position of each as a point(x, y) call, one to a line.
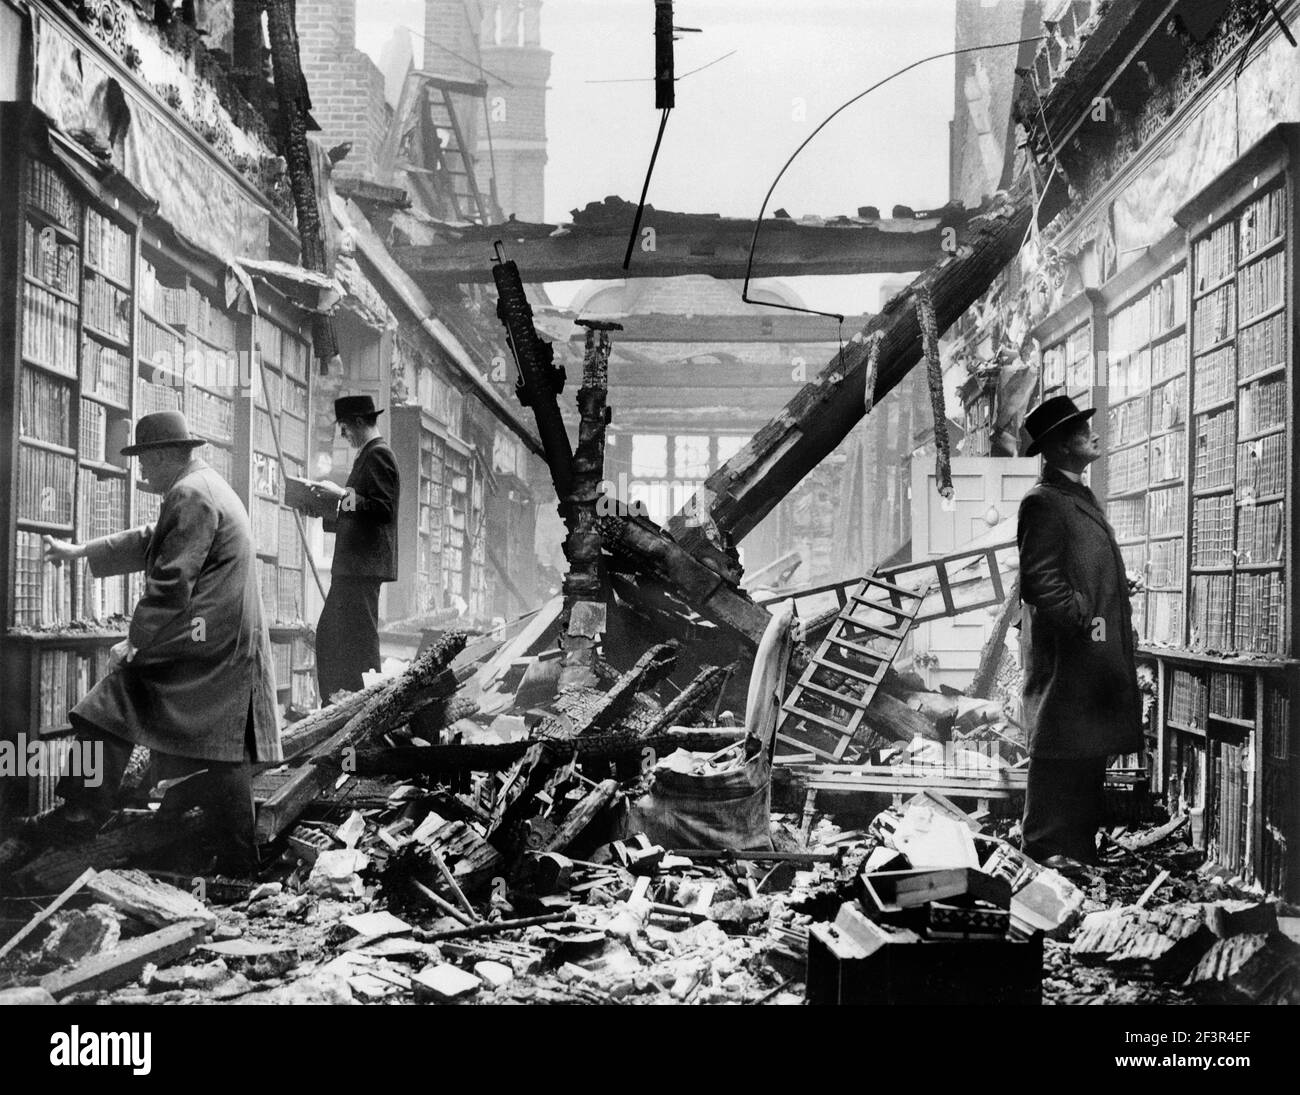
point(1230, 765)
point(108, 326)
point(1229, 754)
point(418, 441)
point(1146, 445)
point(280, 410)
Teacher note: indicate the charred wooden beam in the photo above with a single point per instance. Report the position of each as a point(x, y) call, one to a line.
point(446, 761)
point(582, 620)
point(991, 655)
point(744, 490)
point(291, 93)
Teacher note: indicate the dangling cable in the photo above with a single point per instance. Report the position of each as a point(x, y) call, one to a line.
point(645, 189)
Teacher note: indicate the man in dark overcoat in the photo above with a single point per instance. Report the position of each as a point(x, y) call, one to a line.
point(194, 678)
point(1081, 699)
point(365, 551)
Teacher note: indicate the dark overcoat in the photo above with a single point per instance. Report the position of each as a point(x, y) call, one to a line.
point(366, 524)
point(1081, 694)
point(203, 654)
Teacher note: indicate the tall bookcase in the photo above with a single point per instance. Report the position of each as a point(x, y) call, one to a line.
point(1146, 440)
point(104, 322)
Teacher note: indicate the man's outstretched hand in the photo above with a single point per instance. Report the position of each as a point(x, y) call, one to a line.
point(60, 551)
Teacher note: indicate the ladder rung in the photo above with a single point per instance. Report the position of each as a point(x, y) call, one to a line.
point(875, 580)
point(804, 747)
point(830, 694)
point(877, 628)
point(835, 667)
point(901, 613)
point(886, 658)
point(830, 724)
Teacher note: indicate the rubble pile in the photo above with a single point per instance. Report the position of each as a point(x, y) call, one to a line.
point(435, 840)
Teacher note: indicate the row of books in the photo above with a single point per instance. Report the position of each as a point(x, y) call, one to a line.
point(1169, 405)
point(222, 461)
point(1214, 437)
point(1168, 358)
point(45, 482)
point(289, 597)
point(1130, 328)
point(282, 659)
point(209, 415)
point(94, 428)
point(1227, 799)
point(1165, 511)
point(167, 302)
point(42, 593)
point(48, 258)
point(147, 506)
point(1189, 698)
point(295, 399)
point(1209, 612)
point(161, 347)
point(101, 599)
point(1261, 346)
point(1215, 379)
point(1127, 423)
point(1262, 285)
point(1261, 467)
point(1215, 256)
point(266, 525)
point(1278, 727)
point(1263, 220)
point(1186, 761)
point(1128, 374)
point(1215, 317)
point(108, 247)
point(106, 308)
point(46, 190)
point(1169, 302)
point(208, 320)
point(1263, 406)
point(266, 475)
point(1261, 533)
point(1261, 623)
point(1212, 530)
point(1272, 857)
point(290, 543)
point(151, 398)
point(1228, 695)
point(1164, 569)
point(1168, 457)
point(1128, 517)
point(103, 505)
point(1126, 470)
point(49, 329)
point(1163, 621)
point(106, 372)
point(293, 437)
point(45, 407)
point(65, 678)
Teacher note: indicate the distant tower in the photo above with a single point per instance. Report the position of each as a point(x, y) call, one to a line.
point(503, 36)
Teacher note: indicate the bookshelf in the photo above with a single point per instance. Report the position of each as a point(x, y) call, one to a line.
point(280, 407)
point(423, 528)
point(1146, 446)
point(107, 320)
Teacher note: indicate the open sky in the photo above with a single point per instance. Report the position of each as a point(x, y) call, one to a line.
point(786, 65)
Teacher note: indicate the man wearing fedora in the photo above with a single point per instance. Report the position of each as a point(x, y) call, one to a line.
point(365, 551)
point(194, 678)
point(1081, 699)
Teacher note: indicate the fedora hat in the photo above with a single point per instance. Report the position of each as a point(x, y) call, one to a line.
point(1048, 417)
point(355, 406)
point(161, 428)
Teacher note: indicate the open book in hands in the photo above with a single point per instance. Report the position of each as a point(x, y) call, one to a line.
point(311, 497)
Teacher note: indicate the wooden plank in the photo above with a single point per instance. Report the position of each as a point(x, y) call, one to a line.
point(126, 961)
point(49, 910)
point(156, 903)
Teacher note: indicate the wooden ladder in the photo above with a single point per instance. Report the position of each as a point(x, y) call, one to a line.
point(824, 710)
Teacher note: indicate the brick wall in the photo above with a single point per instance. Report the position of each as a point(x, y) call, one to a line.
point(346, 87)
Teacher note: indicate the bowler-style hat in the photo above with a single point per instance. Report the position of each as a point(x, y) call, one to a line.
point(355, 406)
point(162, 428)
point(1048, 417)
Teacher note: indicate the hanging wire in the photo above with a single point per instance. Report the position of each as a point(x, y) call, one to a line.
point(758, 222)
point(645, 189)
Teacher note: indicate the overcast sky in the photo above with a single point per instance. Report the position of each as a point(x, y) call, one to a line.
point(737, 121)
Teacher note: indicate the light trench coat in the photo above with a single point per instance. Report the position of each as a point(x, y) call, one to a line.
point(203, 654)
